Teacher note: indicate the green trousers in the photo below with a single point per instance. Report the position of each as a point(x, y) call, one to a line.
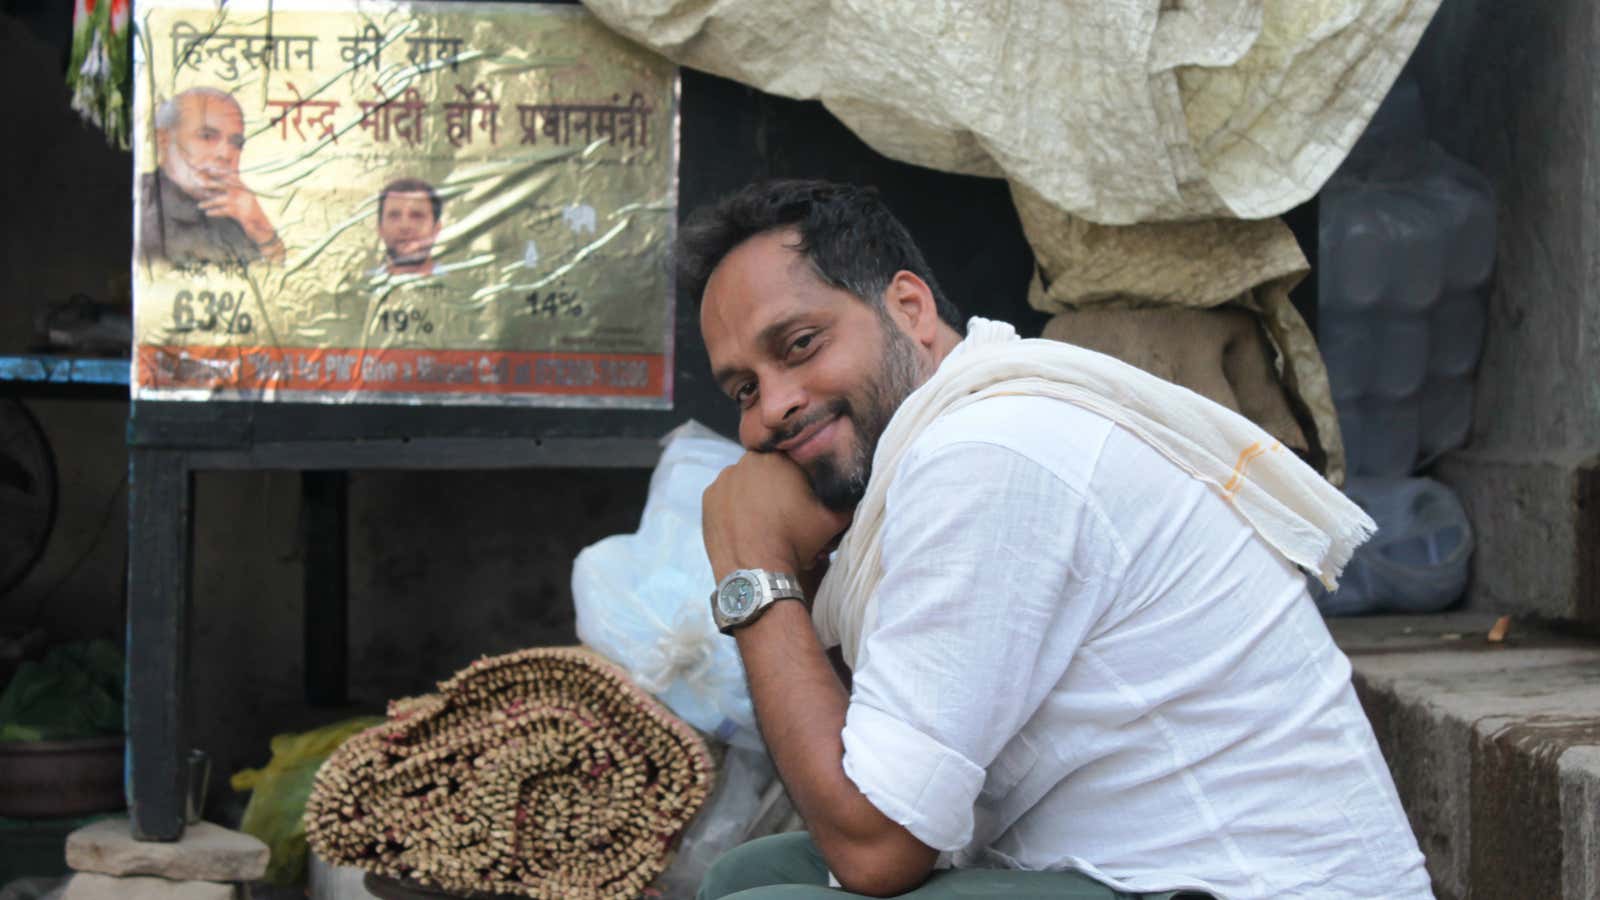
point(788, 867)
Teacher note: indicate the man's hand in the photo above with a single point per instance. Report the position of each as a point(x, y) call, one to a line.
point(760, 514)
point(228, 198)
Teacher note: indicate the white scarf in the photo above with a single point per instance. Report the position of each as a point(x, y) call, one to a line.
point(1292, 507)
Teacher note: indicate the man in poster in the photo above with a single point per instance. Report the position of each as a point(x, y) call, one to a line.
point(408, 225)
point(194, 207)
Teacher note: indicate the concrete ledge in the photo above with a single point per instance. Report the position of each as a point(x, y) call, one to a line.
point(1536, 522)
point(1494, 748)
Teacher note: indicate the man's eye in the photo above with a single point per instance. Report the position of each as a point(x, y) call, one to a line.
point(744, 393)
point(801, 343)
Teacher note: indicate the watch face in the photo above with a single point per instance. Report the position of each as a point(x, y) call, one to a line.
point(737, 597)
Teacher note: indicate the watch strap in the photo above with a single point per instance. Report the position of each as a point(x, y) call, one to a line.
point(783, 586)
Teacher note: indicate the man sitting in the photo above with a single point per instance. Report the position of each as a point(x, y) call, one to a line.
point(1083, 659)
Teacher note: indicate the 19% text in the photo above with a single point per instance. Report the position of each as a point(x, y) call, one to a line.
point(400, 320)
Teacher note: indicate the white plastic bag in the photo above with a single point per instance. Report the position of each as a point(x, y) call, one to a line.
point(1418, 560)
point(642, 598)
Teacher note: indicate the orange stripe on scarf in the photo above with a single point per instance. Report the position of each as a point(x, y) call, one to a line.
point(1250, 453)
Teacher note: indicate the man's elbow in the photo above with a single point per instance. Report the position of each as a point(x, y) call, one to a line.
point(884, 868)
point(871, 878)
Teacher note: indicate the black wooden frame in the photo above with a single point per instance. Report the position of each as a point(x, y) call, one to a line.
point(163, 460)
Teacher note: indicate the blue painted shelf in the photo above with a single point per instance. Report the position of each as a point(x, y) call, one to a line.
point(31, 372)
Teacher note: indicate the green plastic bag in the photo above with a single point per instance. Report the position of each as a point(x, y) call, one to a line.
point(75, 691)
point(280, 790)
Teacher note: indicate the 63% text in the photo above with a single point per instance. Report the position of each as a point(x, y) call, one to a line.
point(210, 311)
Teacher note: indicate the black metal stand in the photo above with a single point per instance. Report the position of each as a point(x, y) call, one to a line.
point(169, 442)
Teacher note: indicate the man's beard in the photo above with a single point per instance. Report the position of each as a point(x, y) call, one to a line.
point(841, 483)
point(186, 175)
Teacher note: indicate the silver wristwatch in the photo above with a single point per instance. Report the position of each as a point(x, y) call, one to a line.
point(742, 596)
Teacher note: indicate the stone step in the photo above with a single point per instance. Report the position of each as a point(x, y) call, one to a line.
point(91, 886)
point(1494, 747)
point(206, 852)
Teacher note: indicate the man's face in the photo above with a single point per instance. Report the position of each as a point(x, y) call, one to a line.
point(817, 373)
point(408, 228)
point(201, 153)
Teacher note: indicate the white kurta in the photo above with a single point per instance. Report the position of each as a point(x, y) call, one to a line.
point(1081, 657)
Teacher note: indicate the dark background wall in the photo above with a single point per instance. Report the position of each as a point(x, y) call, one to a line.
point(443, 566)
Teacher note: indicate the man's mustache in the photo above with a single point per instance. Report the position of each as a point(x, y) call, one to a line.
point(837, 408)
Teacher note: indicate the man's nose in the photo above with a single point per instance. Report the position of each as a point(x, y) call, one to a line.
point(781, 401)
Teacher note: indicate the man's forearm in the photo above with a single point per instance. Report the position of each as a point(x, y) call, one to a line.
point(800, 706)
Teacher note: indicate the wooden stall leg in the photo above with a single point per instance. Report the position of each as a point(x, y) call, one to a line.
point(160, 540)
point(323, 498)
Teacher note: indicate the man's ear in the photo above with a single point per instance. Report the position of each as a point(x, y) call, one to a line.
point(910, 302)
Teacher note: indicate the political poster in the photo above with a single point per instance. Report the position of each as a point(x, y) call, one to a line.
point(383, 202)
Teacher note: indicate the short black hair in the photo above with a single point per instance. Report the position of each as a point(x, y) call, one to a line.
point(846, 232)
point(411, 186)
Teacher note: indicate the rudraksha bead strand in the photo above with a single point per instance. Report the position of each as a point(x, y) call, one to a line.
point(542, 773)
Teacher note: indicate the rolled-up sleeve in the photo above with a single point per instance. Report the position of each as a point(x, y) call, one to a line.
point(994, 570)
point(910, 777)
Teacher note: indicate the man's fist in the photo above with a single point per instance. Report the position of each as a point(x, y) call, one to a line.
point(760, 514)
